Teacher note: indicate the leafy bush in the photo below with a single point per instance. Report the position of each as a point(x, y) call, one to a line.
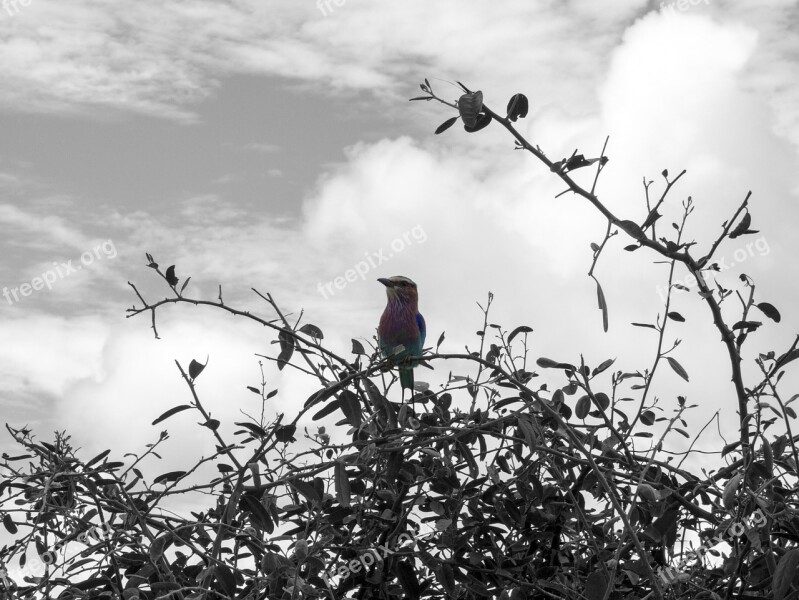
point(555, 489)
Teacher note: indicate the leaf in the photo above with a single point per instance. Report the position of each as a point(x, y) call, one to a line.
point(327, 409)
point(603, 366)
point(183, 287)
point(254, 390)
point(256, 430)
point(517, 331)
point(632, 228)
point(260, 515)
point(286, 340)
point(171, 279)
point(212, 424)
point(786, 358)
point(748, 325)
point(313, 331)
point(676, 316)
point(730, 491)
point(632, 247)
point(600, 296)
point(650, 326)
point(602, 400)
point(407, 578)
point(769, 310)
point(342, 484)
point(440, 341)
point(306, 489)
point(677, 367)
point(98, 458)
point(469, 106)
point(595, 585)
point(172, 411)
point(583, 407)
point(351, 407)
point(548, 363)
point(196, 368)
point(285, 433)
point(357, 347)
point(742, 226)
point(171, 476)
point(226, 579)
point(783, 576)
point(9, 524)
point(483, 120)
point(445, 125)
point(518, 106)
point(648, 417)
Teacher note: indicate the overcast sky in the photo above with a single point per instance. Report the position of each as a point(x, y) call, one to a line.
point(271, 145)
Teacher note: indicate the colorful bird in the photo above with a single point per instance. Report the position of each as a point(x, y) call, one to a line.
point(401, 325)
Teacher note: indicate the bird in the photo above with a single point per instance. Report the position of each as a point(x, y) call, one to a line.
point(401, 325)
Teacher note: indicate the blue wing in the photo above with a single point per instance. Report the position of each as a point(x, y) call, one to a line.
point(422, 330)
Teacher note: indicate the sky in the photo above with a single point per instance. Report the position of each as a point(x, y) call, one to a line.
point(271, 145)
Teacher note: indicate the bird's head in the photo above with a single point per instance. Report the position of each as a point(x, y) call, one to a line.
point(399, 288)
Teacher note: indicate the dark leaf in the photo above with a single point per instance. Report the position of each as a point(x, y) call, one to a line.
point(196, 368)
point(600, 296)
point(312, 330)
point(676, 317)
point(407, 578)
point(677, 368)
point(603, 366)
point(769, 310)
point(260, 515)
point(9, 524)
point(327, 409)
point(469, 106)
point(226, 579)
point(783, 576)
point(357, 347)
point(445, 125)
point(306, 489)
point(644, 325)
point(648, 417)
point(583, 407)
point(285, 433)
point(747, 325)
point(742, 226)
point(518, 106)
point(517, 331)
point(171, 476)
point(632, 228)
point(171, 279)
point(98, 458)
point(595, 585)
point(342, 484)
point(183, 287)
point(483, 119)
point(211, 424)
point(286, 340)
point(172, 411)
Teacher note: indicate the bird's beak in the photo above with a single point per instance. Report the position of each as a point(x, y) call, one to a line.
point(386, 282)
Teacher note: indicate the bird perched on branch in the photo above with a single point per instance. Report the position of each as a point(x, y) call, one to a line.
point(401, 325)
